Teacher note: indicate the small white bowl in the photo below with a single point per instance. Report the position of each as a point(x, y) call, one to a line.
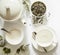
point(17, 39)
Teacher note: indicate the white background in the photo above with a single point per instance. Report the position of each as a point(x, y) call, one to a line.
point(53, 6)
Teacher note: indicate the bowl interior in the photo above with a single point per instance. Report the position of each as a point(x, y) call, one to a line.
point(17, 33)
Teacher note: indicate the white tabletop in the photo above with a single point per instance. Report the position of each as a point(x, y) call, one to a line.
point(53, 22)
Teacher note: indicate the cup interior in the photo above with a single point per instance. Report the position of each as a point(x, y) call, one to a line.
point(45, 36)
point(16, 36)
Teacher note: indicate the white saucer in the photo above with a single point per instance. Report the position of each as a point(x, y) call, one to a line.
point(54, 44)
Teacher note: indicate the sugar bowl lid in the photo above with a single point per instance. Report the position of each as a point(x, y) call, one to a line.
point(10, 9)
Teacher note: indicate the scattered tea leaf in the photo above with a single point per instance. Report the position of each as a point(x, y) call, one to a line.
point(34, 35)
point(44, 49)
point(6, 50)
point(18, 50)
point(0, 37)
point(2, 41)
point(26, 5)
point(24, 22)
point(21, 47)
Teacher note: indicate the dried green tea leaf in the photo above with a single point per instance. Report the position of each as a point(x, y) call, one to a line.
point(18, 50)
point(38, 8)
point(6, 50)
point(0, 37)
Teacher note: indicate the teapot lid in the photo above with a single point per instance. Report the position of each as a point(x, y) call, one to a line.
point(10, 9)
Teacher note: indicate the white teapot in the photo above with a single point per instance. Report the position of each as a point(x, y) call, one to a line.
point(10, 10)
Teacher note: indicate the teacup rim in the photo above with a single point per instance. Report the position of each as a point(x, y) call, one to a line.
point(22, 37)
point(53, 32)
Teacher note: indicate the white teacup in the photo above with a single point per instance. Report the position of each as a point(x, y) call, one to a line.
point(44, 36)
point(16, 34)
